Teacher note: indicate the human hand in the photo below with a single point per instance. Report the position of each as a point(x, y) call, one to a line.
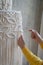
point(20, 42)
point(35, 35)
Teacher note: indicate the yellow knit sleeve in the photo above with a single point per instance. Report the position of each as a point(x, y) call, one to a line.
point(41, 45)
point(31, 58)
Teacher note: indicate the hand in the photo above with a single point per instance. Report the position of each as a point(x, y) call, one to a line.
point(35, 35)
point(20, 42)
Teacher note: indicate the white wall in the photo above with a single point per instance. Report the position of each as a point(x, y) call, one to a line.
point(40, 51)
point(31, 20)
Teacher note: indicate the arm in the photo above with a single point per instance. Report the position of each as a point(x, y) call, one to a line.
point(41, 45)
point(31, 58)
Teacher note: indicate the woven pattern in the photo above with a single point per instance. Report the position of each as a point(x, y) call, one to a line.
point(10, 30)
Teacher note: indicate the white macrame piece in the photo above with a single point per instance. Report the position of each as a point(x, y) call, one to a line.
point(7, 4)
point(10, 30)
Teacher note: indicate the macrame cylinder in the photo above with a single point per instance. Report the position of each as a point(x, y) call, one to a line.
point(7, 4)
point(10, 30)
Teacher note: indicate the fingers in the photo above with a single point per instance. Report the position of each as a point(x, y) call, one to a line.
point(31, 30)
point(21, 42)
point(32, 33)
point(20, 38)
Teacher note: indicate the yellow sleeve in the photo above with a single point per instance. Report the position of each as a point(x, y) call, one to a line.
point(41, 45)
point(31, 58)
